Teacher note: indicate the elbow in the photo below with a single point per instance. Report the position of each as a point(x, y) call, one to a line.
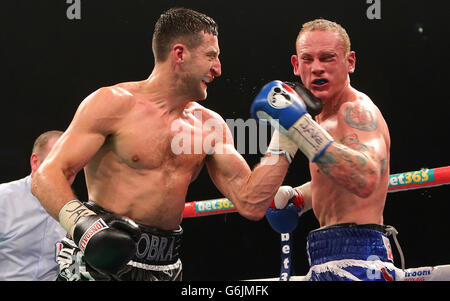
point(365, 192)
point(253, 211)
point(252, 204)
point(33, 187)
point(34, 183)
point(367, 188)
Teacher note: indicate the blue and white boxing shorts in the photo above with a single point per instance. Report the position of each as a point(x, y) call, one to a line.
point(361, 253)
point(350, 252)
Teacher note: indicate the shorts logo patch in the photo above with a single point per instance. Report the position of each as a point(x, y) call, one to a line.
point(387, 245)
point(386, 275)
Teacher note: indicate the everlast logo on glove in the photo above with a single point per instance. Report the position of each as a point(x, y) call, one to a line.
point(157, 249)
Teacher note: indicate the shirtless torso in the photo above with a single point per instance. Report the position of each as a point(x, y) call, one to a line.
point(135, 173)
point(128, 138)
point(340, 187)
point(141, 144)
point(349, 181)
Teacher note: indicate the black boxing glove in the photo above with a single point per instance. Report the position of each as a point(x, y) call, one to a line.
point(313, 104)
point(108, 241)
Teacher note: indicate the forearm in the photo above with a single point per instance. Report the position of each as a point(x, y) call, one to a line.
point(349, 168)
point(53, 190)
point(305, 190)
point(261, 186)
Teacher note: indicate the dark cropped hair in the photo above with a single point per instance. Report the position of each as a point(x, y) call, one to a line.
point(180, 25)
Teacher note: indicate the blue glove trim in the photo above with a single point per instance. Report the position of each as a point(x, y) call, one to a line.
point(321, 152)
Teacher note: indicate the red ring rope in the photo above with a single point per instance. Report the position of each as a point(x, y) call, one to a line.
point(397, 182)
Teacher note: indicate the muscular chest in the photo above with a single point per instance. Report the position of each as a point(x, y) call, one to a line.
point(331, 125)
point(150, 143)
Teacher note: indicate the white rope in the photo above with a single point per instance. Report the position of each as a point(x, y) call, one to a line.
point(436, 273)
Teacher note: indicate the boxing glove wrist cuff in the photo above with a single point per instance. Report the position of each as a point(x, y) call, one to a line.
point(70, 213)
point(282, 145)
point(310, 137)
point(286, 195)
point(298, 200)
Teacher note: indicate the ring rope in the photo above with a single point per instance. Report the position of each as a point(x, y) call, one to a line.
point(422, 178)
point(409, 180)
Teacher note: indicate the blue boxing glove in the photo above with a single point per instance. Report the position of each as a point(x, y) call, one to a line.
point(283, 220)
point(285, 209)
point(279, 104)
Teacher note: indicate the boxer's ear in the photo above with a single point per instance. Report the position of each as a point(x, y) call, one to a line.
point(351, 61)
point(294, 62)
point(179, 53)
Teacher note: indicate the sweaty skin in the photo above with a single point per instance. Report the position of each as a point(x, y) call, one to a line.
point(349, 181)
point(128, 138)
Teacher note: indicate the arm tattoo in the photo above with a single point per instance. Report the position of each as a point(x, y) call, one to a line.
point(326, 161)
point(338, 157)
point(360, 118)
point(346, 166)
point(353, 142)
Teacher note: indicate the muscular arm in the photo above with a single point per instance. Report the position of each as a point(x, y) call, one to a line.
point(250, 191)
point(305, 190)
point(93, 121)
point(358, 156)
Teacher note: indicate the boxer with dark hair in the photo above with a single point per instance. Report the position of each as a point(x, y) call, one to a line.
point(133, 140)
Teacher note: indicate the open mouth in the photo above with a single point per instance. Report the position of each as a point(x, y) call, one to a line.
point(206, 80)
point(320, 82)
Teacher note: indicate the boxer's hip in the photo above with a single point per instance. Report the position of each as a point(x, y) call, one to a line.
point(350, 252)
point(155, 246)
point(157, 256)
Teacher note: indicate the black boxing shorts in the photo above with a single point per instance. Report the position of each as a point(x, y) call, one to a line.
point(156, 258)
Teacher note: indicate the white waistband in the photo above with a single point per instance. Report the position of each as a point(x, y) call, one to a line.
point(337, 267)
point(151, 267)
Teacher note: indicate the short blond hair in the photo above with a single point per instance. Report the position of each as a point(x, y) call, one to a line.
point(40, 145)
point(326, 25)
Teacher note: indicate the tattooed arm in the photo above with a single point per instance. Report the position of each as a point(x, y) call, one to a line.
point(358, 156)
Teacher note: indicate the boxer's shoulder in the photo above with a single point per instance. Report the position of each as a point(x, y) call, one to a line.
point(359, 108)
point(203, 112)
point(115, 96)
point(356, 99)
point(115, 101)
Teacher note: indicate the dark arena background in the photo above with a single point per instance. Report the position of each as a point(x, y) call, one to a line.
point(54, 54)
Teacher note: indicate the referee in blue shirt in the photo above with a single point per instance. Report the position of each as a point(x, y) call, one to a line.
point(28, 234)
